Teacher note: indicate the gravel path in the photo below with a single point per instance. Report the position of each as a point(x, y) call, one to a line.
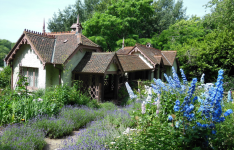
point(55, 144)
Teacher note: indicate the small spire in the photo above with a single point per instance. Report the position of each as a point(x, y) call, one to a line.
point(43, 31)
point(123, 43)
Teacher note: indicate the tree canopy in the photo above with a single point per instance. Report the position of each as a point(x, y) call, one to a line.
point(5, 47)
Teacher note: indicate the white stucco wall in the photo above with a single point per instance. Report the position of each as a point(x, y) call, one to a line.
point(28, 58)
point(66, 77)
point(52, 76)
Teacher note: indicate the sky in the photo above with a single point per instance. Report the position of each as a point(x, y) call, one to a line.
point(17, 15)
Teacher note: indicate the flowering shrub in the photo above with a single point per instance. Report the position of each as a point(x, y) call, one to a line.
point(181, 116)
point(22, 137)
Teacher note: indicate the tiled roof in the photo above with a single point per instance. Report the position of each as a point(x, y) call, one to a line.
point(150, 52)
point(125, 50)
point(44, 45)
point(158, 58)
point(64, 49)
point(88, 42)
point(132, 63)
point(74, 25)
point(94, 62)
point(169, 58)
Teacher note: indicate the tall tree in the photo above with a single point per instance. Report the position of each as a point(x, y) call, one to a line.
point(121, 19)
point(5, 47)
point(63, 20)
point(167, 12)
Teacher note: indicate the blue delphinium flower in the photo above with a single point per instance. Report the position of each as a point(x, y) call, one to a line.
point(161, 85)
point(202, 80)
point(229, 99)
point(212, 125)
point(130, 92)
point(170, 118)
point(186, 106)
point(213, 132)
point(211, 106)
point(199, 124)
point(177, 106)
point(228, 112)
point(176, 78)
point(184, 77)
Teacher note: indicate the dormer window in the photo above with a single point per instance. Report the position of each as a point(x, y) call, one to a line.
point(148, 45)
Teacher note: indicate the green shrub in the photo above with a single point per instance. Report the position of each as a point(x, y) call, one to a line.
point(108, 106)
point(5, 77)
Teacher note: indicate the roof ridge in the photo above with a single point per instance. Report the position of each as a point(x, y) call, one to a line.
point(90, 40)
point(38, 33)
point(166, 59)
point(169, 51)
point(62, 32)
point(148, 47)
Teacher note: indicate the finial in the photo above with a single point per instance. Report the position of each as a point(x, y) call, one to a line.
point(43, 30)
point(123, 43)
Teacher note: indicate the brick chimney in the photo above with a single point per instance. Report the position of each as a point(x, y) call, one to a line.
point(43, 30)
point(78, 31)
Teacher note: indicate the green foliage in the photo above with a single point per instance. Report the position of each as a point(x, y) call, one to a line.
point(167, 12)
point(19, 104)
point(63, 20)
point(5, 77)
point(209, 55)
point(122, 19)
point(108, 106)
point(180, 33)
point(228, 83)
point(107, 22)
point(5, 47)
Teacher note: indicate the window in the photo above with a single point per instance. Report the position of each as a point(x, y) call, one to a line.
point(32, 74)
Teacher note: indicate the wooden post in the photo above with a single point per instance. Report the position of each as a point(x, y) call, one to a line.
point(116, 81)
point(101, 89)
point(60, 76)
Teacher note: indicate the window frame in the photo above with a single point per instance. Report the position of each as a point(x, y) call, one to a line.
point(34, 77)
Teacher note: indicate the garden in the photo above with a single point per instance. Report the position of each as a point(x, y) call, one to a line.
point(176, 114)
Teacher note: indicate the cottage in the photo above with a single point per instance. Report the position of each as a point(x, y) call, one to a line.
point(56, 58)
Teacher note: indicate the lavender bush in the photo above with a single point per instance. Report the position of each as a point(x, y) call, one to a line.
point(53, 127)
point(21, 137)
